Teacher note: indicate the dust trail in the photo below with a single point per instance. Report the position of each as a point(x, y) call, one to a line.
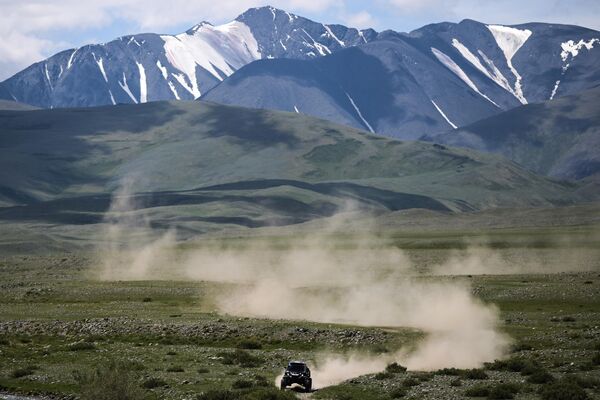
point(314, 278)
point(129, 249)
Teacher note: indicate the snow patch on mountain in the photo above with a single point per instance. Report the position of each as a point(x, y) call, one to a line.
point(572, 49)
point(143, 85)
point(218, 49)
point(126, 89)
point(163, 69)
point(452, 66)
point(492, 72)
point(100, 64)
point(555, 90)
point(365, 122)
point(332, 35)
point(47, 75)
point(510, 40)
point(70, 62)
point(444, 115)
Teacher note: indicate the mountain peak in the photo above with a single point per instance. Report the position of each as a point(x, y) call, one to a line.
point(196, 27)
point(266, 11)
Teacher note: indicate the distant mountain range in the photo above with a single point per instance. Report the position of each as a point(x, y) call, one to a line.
point(151, 67)
point(436, 78)
point(433, 79)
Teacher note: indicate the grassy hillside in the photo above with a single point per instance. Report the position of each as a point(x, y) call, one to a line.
point(217, 165)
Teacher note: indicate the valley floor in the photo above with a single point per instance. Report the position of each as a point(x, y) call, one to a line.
point(58, 325)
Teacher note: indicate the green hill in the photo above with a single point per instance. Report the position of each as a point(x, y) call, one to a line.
point(196, 162)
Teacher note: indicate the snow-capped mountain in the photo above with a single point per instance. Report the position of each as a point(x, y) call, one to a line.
point(406, 85)
point(147, 67)
point(438, 77)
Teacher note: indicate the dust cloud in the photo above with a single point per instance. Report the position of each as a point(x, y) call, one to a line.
point(361, 281)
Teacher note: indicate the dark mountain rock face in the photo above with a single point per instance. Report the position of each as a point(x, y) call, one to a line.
point(558, 138)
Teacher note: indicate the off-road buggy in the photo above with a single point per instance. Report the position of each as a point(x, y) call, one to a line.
point(297, 372)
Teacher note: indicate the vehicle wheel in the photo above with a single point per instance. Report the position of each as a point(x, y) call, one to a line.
point(308, 387)
point(282, 386)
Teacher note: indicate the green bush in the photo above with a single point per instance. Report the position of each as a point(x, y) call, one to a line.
point(596, 359)
point(112, 382)
point(513, 365)
point(268, 394)
point(410, 382)
point(521, 347)
point(240, 357)
point(478, 391)
point(175, 368)
point(540, 376)
point(456, 382)
point(152, 383)
point(203, 370)
point(242, 384)
point(250, 345)
point(476, 374)
point(450, 372)
point(81, 346)
point(21, 372)
point(380, 376)
point(218, 395)
point(395, 368)
point(397, 393)
point(563, 389)
point(502, 391)
point(499, 391)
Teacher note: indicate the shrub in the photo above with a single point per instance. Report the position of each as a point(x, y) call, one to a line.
point(175, 368)
point(21, 372)
point(203, 370)
point(147, 299)
point(397, 393)
point(240, 357)
point(81, 346)
point(395, 368)
point(242, 384)
point(517, 347)
point(596, 359)
point(503, 391)
point(218, 395)
point(171, 353)
point(410, 382)
point(4, 341)
point(152, 383)
point(450, 372)
point(477, 391)
point(380, 376)
point(250, 345)
point(512, 365)
point(261, 381)
point(456, 382)
point(477, 374)
point(540, 376)
point(424, 377)
point(563, 389)
point(268, 394)
point(112, 382)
